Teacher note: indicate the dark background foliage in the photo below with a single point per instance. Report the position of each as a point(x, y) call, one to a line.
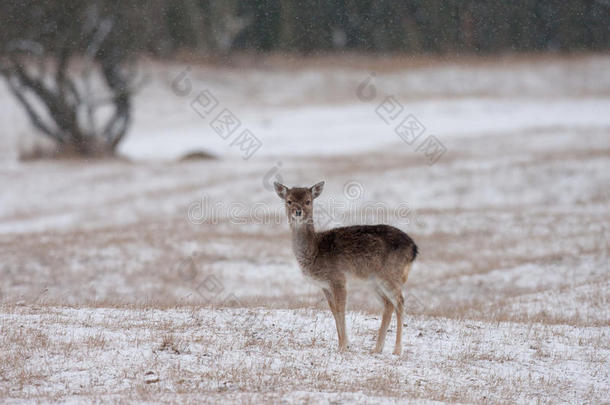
point(163, 27)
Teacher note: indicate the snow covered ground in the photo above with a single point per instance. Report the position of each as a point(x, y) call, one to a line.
point(155, 279)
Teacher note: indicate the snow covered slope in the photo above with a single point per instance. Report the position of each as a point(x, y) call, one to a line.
point(154, 279)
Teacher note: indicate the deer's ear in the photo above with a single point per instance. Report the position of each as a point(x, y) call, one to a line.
point(280, 189)
point(316, 190)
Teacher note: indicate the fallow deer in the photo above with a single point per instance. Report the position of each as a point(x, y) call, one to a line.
point(379, 254)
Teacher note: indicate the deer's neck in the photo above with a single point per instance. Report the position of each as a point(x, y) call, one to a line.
point(304, 243)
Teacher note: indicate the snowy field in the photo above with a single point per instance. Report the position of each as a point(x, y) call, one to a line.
point(156, 279)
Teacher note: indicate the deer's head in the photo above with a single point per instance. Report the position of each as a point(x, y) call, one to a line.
point(299, 201)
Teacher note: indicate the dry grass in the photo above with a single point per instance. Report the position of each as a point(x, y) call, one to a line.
point(171, 354)
point(382, 63)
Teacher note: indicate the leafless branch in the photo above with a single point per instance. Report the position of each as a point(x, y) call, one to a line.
point(67, 96)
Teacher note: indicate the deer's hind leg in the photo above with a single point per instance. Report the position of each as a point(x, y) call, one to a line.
point(391, 291)
point(388, 308)
point(400, 304)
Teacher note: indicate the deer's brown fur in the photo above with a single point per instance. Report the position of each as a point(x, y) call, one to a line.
point(379, 254)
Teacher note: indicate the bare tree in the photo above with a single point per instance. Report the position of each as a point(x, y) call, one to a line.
point(71, 73)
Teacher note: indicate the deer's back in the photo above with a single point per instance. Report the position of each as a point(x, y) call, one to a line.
point(363, 249)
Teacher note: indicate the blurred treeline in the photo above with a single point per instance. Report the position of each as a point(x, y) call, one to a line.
point(164, 27)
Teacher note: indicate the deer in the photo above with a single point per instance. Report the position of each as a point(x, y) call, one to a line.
point(380, 255)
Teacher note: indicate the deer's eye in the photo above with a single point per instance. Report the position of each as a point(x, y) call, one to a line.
point(288, 202)
point(307, 202)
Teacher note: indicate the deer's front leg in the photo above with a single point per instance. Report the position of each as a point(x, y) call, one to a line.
point(340, 296)
point(331, 303)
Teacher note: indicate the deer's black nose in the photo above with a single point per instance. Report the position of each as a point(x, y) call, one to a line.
point(298, 213)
